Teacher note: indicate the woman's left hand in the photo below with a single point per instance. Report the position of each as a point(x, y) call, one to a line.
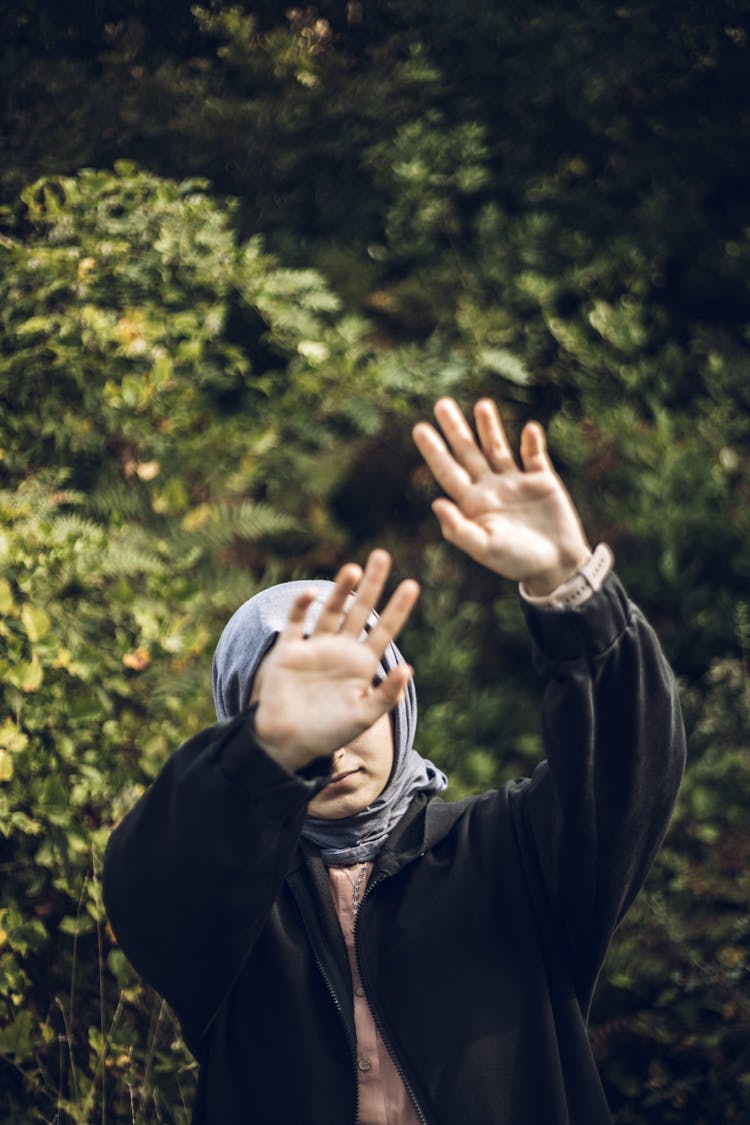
point(519, 522)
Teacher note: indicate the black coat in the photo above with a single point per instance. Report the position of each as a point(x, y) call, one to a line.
point(483, 928)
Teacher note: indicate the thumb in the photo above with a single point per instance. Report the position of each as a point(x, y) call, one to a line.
point(389, 693)
point(457, 529)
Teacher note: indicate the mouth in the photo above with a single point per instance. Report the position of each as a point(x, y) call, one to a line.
point(341, 777)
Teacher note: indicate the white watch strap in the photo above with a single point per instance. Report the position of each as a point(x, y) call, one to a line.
point(578, 589)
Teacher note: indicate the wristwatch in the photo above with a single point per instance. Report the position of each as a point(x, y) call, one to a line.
point(576, 590)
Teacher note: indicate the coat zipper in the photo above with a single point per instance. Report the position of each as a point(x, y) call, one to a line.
point(340, 1010)
point(378, 1023)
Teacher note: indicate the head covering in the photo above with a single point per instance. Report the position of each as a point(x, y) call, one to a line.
point(247, 637)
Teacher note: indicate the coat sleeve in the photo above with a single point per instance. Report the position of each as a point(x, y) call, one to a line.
point(192, 871)
point(595, 813)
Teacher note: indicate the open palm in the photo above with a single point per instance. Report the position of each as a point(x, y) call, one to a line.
point(315, 692)
point(517, 521)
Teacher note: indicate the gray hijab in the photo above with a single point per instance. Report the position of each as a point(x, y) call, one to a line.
point(246, 639)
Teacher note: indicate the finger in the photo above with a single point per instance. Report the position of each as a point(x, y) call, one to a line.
point(492, 436)
point(458, 530)
point(332, 612)
point(446, 471)
point(294, 627)
point(368, 592)
point(460, 437)
point(534, 449)
point(394, 616)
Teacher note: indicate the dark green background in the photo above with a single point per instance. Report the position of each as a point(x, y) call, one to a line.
point(243, 250)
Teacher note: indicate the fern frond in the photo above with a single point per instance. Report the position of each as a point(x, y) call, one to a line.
point(116, 496)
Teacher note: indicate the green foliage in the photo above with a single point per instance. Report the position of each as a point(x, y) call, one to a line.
point(85, 633)
point(142, 449)
point(675, 994)
point(199, 395)
point(116, 338)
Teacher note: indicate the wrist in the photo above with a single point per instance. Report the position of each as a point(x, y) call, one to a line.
point(578, 587)
point(543, 584)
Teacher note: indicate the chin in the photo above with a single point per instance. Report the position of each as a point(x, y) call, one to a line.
point(338, 809)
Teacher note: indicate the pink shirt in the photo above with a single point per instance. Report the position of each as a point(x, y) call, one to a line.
point(383, 1098)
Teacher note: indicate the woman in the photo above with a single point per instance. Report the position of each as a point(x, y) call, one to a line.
point(341, 944)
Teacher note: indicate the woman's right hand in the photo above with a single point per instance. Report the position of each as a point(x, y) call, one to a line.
point(315, 693)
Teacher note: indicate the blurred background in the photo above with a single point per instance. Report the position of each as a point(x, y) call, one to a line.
point(244, 247)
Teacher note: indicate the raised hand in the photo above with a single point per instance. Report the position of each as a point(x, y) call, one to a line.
point(519, 522)
point(315, 694)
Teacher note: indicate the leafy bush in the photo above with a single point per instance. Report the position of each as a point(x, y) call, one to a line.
point(161, 383)
point(544, 205)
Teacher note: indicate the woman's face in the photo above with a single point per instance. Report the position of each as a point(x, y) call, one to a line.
point(360, 769)
point(360, 773)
